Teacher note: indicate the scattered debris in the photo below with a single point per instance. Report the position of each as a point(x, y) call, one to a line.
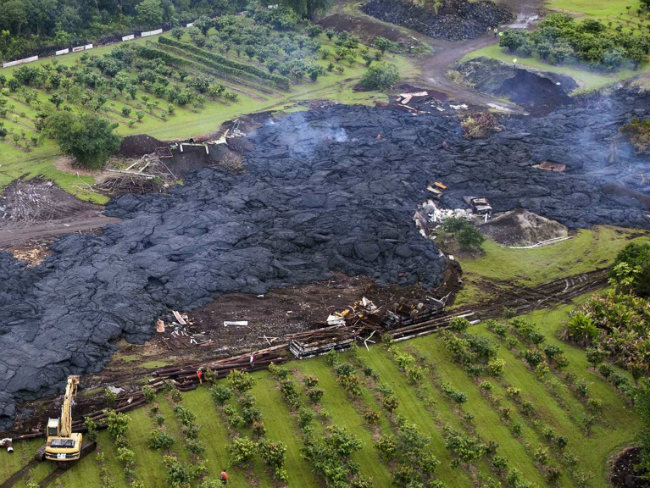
point(7, 443)
point(239, 323)
point(551, 166)
point(480, 125)
point(179, 318)
point(160, 326)
point(480, 205)
point(405, 98)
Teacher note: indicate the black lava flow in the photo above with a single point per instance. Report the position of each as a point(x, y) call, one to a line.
point(321, 192)
point(453, 20)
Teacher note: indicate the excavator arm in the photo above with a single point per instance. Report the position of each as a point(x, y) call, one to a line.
point(66, 408)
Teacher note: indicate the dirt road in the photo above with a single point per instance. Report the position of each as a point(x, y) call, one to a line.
point(20, 234)
point(447, 53)
point(37, 209)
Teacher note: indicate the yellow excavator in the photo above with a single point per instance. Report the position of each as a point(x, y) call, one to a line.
point(62, 444)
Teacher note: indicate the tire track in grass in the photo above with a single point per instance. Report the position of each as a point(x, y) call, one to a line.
point(344, 414)
point(614, 406)
point(415, 412)
point(86, 471)
point(279, 427)
point(488, 424)
point(529, 437)
point(606, 437)
point(214, 435)
point(148, 462)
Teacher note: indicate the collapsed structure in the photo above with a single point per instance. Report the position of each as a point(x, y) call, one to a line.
point(325, 190)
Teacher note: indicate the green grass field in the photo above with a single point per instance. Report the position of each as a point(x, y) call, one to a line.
point(590, 249)
point(423, 404)
point(23, 157)
point(604, 9)
point(586, 79)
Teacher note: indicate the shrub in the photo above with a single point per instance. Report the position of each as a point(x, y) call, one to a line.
point(91, 425)
point(272, 453)
point(310, 381)
point(86, 137)
point(485, 386)
point(126, 456)
point(500, 463)
point(177, 474)
point(184, 415)
point(371, 417)
point(305, 417)
point(387, 447)
point(468, 237)
point(390, 403)
point(242, 450)
point(315, 395)
point(220, 394)
point(259, 429)
point(533, 358)
point(527, 408)
point(117, 423)
point(380, 76)
point(110, 397)
point(464, 448)
point(149, 393)
point(496, 367)
point(459, 324)
point(582, 389)
point(159, 439)
point(605, 370)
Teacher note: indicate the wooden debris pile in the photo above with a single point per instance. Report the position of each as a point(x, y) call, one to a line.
point(147, 174)
point(179, 330)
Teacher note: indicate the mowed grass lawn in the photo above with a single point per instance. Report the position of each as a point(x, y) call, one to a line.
point(590, 249)
point(604, 9)
point(587, 80)
point(616, 426)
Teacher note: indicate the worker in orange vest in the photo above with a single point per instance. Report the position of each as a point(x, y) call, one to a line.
point(223, 476)
point(199, 373)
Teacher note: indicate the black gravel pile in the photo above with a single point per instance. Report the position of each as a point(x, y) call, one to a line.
point(539, 92)
point(454, 20)
point(321, 192)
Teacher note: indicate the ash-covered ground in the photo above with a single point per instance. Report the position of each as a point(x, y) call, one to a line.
point(321, 192)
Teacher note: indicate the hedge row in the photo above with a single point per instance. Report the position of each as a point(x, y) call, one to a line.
point(222, 72)
point(207, 56)
point(168, 59)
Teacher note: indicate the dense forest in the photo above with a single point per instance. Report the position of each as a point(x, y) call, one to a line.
point(40, 26)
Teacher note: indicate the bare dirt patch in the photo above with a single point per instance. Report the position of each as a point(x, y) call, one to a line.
point(522, 228)
point(38, 209)
point(365, 28)
point(66, 164)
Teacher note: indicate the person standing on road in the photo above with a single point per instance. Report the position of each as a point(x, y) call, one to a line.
point(223, 476)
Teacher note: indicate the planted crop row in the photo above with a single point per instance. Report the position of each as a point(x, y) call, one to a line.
point(227, 65)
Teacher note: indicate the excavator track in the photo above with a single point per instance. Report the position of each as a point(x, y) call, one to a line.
point(23, 473)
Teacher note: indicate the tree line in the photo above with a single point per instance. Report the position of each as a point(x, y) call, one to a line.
point(38, 26)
